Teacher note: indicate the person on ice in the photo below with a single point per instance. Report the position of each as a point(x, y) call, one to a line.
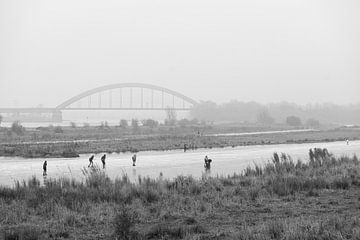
point(91, 163)
point(45, 168)
point(103, 160)
point(134, 159)
point(207, 163)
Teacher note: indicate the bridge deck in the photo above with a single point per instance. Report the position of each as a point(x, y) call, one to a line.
point(51, 110)
point(28, 110)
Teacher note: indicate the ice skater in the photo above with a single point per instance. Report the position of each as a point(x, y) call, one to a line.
point(91, 163)
point(103, 160)
point(134, 159)
point(207, 163)
point(45, 168)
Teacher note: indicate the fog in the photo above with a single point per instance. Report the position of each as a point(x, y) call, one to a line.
point(264, 51)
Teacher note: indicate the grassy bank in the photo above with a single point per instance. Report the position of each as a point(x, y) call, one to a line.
point(284, 199)
point(166, 141)
point(58, 133)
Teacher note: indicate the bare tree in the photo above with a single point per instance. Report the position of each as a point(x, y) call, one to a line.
point(264, 117)
point(311, 122)
point(293, 121)
point(134, 123)
point(149, 123)
point(123, 123)
point(170, 116)
point(17, 128)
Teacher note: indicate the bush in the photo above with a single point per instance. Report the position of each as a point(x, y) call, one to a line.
point(170, 116)
point(342, 183)
point(253, 193)
point(293, 121)
point(275, 229)
point(150, 195)
point(104, 125)
point(58, 129)
point(135, 124)
point(178, 231)
point(124, 223)
point(264, 117)
point(123, 123)
point(17, 128)
point(27, 232)
point(184, 122)
point(313, 123)
point(150, 123)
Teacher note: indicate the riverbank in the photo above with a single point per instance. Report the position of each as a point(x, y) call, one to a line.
point(163, 142)
point(282, 200)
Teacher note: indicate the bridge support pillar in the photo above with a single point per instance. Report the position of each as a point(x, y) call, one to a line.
point(57, 116)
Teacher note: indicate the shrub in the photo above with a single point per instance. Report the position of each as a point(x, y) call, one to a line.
point(135, 125)
point(17, 128)
point(27, 232)
point(123, 123)
point(312, 193)
point(264, 117)
point(162, 231)
point(96, 178)
point(184, 122)
point(275, 229)
point(170, 116)
point(313, 123)
point(342, 183)
point(124, 223)
point(165, 232)
point(293, 121)
point(104, 125)
point(253, 193)
point(58, 129)
point(150, 123)
point(150, 195)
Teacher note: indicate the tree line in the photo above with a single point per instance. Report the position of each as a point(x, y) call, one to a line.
point(282, 112)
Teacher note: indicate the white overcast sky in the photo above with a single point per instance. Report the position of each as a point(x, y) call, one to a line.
point(305, 51)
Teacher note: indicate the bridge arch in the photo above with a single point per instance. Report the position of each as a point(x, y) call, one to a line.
point(88, 93)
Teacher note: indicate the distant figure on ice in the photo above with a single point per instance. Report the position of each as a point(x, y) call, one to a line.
point(347, 141)
point(91, 163)
point(134, 159)
point(45, 168)
point(185, 147)
point(103, 160)
point(207, 163)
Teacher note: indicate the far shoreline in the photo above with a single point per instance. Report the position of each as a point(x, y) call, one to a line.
point(141, 143)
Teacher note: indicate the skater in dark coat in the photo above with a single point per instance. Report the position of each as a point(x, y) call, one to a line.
point(207, 163)
point(134, 159)
point(103, 160)
point(45, 168)
point(91, 163)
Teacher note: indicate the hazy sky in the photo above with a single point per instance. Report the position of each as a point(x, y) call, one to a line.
point(303, 51)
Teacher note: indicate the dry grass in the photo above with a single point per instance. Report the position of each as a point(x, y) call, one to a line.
point(281, 200)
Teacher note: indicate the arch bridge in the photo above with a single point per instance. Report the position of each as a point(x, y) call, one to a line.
point(121, 96)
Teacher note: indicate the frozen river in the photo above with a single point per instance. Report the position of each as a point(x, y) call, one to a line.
point(170, 163)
